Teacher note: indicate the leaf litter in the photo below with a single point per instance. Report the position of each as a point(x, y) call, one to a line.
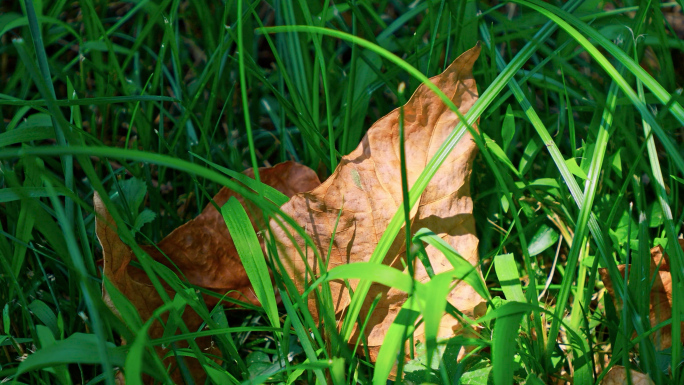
point(201, 249)
point(365, 191)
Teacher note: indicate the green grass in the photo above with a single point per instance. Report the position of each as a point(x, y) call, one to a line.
point(162, 101)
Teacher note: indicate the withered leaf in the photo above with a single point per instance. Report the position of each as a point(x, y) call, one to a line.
point(366, 188)
point(660, 303)
point(617, 375)
point(202, 249)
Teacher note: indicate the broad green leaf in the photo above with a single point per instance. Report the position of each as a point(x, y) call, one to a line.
point(43, 312)
point(575, 169)
point(544, 238)
point(477, 376)
point(130, 194)
point(145, 217)
point(507, 271)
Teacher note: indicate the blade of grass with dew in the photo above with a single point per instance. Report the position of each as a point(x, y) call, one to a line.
point(223, 46)
point(93, 20)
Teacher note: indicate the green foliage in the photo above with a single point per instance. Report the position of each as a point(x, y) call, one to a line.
point(152, 103)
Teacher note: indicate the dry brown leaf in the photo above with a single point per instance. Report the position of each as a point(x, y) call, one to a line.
point(366, 187)
point(202, 249)
point(617, 375)
point(660, 304)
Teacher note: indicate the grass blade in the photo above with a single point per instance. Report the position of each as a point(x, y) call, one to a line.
point(251, 255)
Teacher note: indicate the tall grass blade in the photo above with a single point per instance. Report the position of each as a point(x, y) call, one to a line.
point(251, 255)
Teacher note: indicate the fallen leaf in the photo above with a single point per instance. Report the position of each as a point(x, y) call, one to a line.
point(675, 17)
point(201, 249)
point(365, 190)
point(617, 375)
point(660, 304)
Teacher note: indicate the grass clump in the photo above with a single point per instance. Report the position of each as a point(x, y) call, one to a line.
point(581, 168)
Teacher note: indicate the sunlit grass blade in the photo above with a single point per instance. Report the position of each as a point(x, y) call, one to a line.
point(562, 18)
point(507, 272)
point(402, 326)
point(504, 343)
point(462, 268)
point(269, 192)
point(251, 255)
point(568, 177)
